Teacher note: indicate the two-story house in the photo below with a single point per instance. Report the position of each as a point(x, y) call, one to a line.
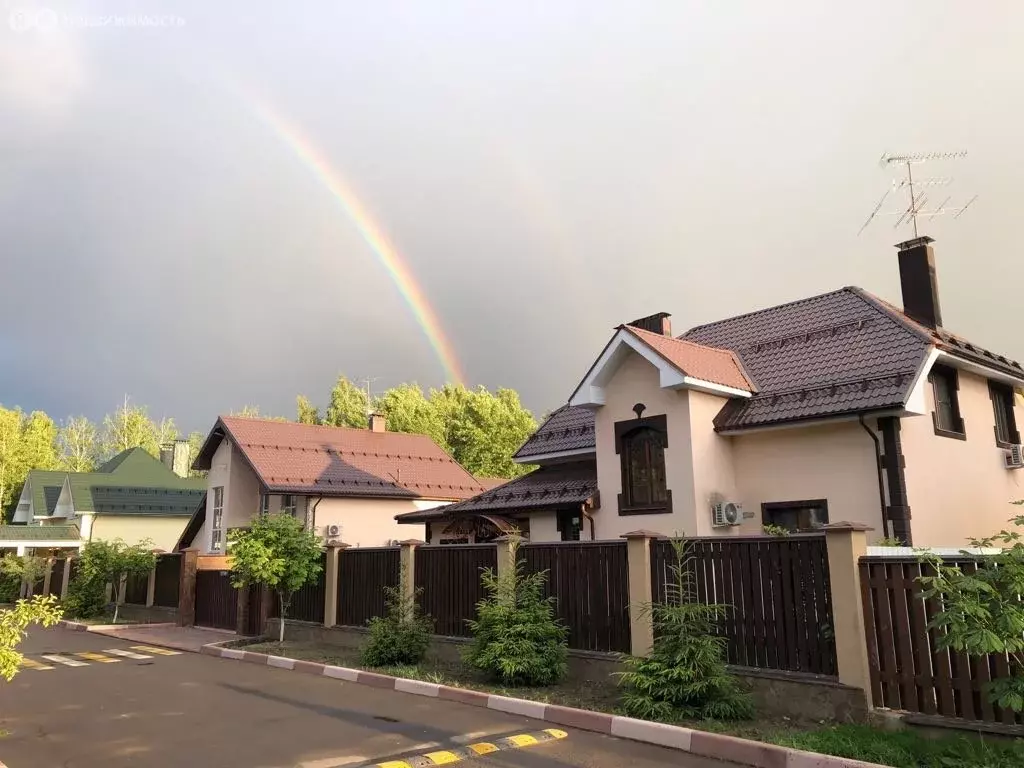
point(347, 484)
point(834, 407)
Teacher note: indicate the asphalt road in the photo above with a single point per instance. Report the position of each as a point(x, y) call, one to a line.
point(196, 711)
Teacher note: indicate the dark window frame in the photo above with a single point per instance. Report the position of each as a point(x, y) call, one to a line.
point(563, 523)
point(1002, 396)
point(955, 428)
point(623, 429)
point(768, 507)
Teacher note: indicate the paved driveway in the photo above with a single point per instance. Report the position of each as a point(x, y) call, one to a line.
point(112, 702)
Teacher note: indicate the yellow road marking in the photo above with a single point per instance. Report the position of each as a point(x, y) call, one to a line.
point(394, 764)
point(96, 657)
point(153, 649)
point(523, 740)
point(555, 733)
point(33, 664)
point(442, 757)
point(483, 748)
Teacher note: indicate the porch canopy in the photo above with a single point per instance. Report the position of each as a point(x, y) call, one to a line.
point(25, 537)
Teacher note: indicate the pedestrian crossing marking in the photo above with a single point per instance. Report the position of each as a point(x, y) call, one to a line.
point(153, 649)
point(33, 664)
point(127, 654)
point(56, 657)
point(96, 657)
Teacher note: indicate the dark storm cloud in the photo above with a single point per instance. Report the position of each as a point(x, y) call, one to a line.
point(546, 172)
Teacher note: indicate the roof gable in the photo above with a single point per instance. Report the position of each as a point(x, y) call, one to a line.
point(288, 457)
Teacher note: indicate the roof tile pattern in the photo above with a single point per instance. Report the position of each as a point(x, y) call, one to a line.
point(338, 461)
point(823, 356)
point(697, 360)
point(567, 429)
point(39, 533)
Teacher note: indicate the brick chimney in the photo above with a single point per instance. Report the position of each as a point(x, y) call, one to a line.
point(175, 456)
point(658, 323)
point(378, 423)
point(918, 281)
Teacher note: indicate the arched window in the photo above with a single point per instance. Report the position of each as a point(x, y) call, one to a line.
point(641, 447)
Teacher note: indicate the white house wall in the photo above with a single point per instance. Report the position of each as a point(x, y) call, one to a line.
point(369, 522)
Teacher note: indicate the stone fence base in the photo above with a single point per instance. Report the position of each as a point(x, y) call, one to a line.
point(776, 693)
point(152, 614)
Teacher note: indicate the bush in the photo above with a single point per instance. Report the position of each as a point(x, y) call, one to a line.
point(684, 676)
point(399, 637)
point(516, 638)
point(10, 584)
point(86, 598)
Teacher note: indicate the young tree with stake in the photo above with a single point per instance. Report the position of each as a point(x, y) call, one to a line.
point(115, 562)
point(278, 552)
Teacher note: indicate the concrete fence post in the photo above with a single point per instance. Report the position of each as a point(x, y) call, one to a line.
point(187, 588)
point(407, 572)
point(506, 554)
point(331, 578)
point(847, 543)
point(121, 589)
point(47, 575)
point(66, 580)
point(638, 556)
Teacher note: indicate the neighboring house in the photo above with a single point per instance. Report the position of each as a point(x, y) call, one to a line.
point(834, 407)
point(347, 484)
point(133, 497)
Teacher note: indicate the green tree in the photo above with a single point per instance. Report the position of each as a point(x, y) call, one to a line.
point(27, 442)
point(278, 552)
point(489, 430)
point(981, 612)
point(407, 409)
point(253, 412)
point(684, 675)
point(307, 412)
point(23, 569)
point(79, 444)
point(402, 634)
point(130, 427)
point(13, 625)
point(348, 406)
point(114, 562)
point(517, 640)
point(195, 443)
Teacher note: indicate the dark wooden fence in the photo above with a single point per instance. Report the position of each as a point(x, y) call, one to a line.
point(136, 588)
point(591, 585)
point(216, 600)
point(778, 589)
point(57, 575)
point(908, 671)
point(168, 576)
point(308, 602)
point(362, 576)
point(450, 579)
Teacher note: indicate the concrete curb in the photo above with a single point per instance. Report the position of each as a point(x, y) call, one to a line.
point(713, 745)
point(77, 626)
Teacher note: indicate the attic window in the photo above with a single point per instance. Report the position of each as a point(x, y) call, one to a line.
point(1002, 408)
point(641, 445)
point(946, 416)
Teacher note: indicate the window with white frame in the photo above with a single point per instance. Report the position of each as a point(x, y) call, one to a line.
point(217, 520)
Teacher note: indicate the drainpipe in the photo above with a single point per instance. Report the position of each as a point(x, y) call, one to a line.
point(588, 516)
point(878, 470)
point(312, 513)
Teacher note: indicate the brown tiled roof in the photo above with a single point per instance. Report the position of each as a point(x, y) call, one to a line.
point(828, 355)
point(338, 461)
point(550, 486)
point(569, 428)
point(699, 361)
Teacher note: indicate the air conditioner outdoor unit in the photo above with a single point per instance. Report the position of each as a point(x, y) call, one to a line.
point(1015, 457)
point(333, 531)
point(726, 513)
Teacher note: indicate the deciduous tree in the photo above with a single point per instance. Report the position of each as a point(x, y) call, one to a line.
point(129, 427)
point(13, 625)
point(307, 412)
point(79, 444)
point(114, 562)
point(348, 406)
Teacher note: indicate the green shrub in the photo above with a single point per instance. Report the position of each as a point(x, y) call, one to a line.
point(684, 675)
point(10, 583)
point(86, 598)
point(399, 637)
point(516, 638)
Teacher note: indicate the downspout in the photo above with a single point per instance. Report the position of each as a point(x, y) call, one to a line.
point(312, 513)
point(588, 516)
point(878, 470)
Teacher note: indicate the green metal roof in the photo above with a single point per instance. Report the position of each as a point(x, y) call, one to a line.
point(131, 469)
point(39, 533)
point(112, 500)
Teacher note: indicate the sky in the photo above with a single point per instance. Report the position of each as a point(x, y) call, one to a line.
point(171, 226)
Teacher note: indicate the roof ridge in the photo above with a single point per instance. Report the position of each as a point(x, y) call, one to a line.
point(683, 336)
point(329, 427)
point(751, 386)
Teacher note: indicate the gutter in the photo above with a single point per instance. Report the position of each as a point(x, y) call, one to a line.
point(878, 469)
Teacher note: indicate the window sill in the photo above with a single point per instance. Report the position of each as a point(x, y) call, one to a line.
point(1004, 445)
point(950, 434)
point(659, 510)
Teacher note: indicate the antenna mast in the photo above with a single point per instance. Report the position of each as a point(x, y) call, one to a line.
point(917, 199)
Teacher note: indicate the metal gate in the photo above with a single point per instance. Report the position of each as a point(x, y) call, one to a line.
point(216, 600)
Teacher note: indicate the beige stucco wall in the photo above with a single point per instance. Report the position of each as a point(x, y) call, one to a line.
point(241, 492)
point(834, 462)
point(544, 527)
point(959, 489)
point(714, 472)
point(370, 522)
point(163, 531)
point(636, 381)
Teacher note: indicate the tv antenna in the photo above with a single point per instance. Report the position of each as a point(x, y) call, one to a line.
point(367, 382)
point(917, 201)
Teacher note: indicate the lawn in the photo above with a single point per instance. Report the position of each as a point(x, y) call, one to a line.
point(901, 749)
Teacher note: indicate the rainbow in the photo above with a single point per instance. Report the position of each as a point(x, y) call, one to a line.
point(389, 257)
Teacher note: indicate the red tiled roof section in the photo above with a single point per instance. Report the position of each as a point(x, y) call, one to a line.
point(719, 366)
point(338, 461)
